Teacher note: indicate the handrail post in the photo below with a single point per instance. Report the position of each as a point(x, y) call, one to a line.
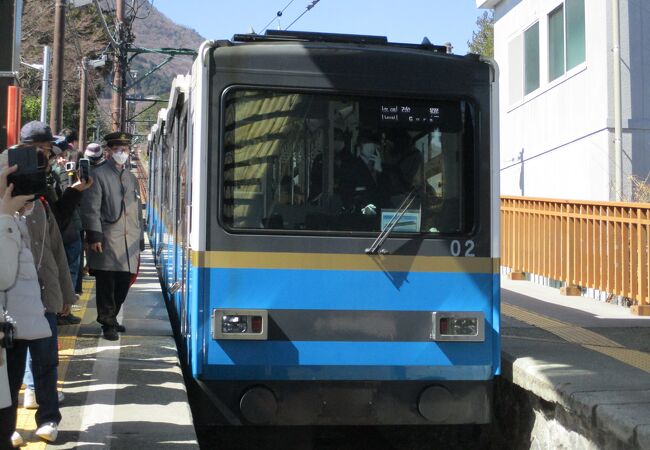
point(516, 238)
point(642, 307)
point(569, 253)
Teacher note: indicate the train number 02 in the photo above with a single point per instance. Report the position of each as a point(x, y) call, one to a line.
point(456, 248)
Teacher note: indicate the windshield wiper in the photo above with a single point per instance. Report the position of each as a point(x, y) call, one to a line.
point(375, 248)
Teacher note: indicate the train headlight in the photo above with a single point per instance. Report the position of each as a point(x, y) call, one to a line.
point(234, 324)
point(240, 324)
point(458, 326)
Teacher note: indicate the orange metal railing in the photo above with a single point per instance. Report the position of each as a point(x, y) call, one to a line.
point(599, 245)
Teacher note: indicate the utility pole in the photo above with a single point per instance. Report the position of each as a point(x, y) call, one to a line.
point(57, 66)
point(83, 104)
point(118, 100)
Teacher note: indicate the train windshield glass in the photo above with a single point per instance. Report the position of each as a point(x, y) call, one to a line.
point(339, 163)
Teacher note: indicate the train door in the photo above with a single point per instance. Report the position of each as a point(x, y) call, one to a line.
point(181, 231)
point(171, 203)
point(163, 249)
point(156, 201)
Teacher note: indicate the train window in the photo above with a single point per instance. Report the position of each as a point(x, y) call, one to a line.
point(339, 163)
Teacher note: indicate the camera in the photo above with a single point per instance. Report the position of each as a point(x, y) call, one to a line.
point(84, 169)
point(9, 332)
point(70, 166)
point(31, 176)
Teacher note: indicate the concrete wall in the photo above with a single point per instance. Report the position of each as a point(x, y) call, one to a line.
point(557, 141)
point(560, 129)
point(635, 72)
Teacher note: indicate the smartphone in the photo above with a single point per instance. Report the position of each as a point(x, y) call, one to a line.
point(70, 166)
point(84, 169)
point(31, 176)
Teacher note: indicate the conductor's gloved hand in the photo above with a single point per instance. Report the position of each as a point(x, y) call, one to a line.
point(369, 210)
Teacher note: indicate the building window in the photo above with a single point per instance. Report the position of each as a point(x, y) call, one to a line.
point(556, 43)
point(515, 65)
point(575, 33)
point(566, 37)
point(531, 59)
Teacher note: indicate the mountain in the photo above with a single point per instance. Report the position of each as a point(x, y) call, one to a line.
point(85, 36)
point(153, 30)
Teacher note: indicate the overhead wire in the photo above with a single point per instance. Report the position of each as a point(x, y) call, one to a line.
point(277, 16)
point(137, 6)
point(91, 82)
point(309, 8)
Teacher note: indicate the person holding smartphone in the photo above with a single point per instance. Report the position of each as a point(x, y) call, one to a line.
point(43, 240)
point(10, 242)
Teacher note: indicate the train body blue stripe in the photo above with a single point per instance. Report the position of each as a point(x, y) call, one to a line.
point(344, 290)
point(301, 360)
point(496, 321)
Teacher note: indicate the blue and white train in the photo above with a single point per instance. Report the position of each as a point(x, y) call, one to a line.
point(324, 214)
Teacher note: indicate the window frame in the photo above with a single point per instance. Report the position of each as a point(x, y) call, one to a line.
point(562, 6)
point(471, 170)
point(526, 90)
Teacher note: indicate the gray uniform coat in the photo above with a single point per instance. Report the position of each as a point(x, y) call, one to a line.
point(111, 213)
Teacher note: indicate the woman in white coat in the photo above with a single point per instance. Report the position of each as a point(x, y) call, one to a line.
point(10, 243)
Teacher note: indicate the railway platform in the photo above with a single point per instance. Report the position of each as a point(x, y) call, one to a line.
point(588, 362)
point(125, 394)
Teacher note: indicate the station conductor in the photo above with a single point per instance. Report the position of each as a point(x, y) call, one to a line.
point(112, 219)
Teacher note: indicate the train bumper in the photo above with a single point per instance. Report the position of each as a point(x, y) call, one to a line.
point(352, 403)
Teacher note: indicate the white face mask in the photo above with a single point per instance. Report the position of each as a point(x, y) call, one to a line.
point(369, 150)
point(120, 157)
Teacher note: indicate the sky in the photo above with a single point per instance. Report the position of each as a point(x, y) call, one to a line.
point(400, 20)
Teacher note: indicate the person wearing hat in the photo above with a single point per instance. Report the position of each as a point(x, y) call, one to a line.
point(39, 134)
point(63, 202)
point(57, 292)
point(95, 154)
point(71, 153)
point(112, 219)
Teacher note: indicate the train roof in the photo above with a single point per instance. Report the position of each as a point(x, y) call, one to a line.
point(278, 36)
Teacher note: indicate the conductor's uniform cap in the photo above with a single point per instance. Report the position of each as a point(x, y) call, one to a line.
point(117, 138)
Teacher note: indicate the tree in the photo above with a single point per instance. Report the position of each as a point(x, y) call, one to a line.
point(31, 109)
point(482, 42)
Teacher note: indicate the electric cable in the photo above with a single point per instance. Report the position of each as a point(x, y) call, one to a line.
point(277, 15)
point(91, 82)
point(309, 7)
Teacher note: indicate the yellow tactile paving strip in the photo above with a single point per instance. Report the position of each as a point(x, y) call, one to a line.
point(576, 335)
point(26, 424)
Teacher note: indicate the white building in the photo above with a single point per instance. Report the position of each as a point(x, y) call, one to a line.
point(558, 91)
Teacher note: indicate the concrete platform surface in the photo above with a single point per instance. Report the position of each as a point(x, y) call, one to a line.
point(590, 357)
point(125, 394)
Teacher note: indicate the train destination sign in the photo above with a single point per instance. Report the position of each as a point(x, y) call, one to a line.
point(410, 114)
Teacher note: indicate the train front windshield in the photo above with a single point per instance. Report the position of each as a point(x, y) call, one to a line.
point(314, 162)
